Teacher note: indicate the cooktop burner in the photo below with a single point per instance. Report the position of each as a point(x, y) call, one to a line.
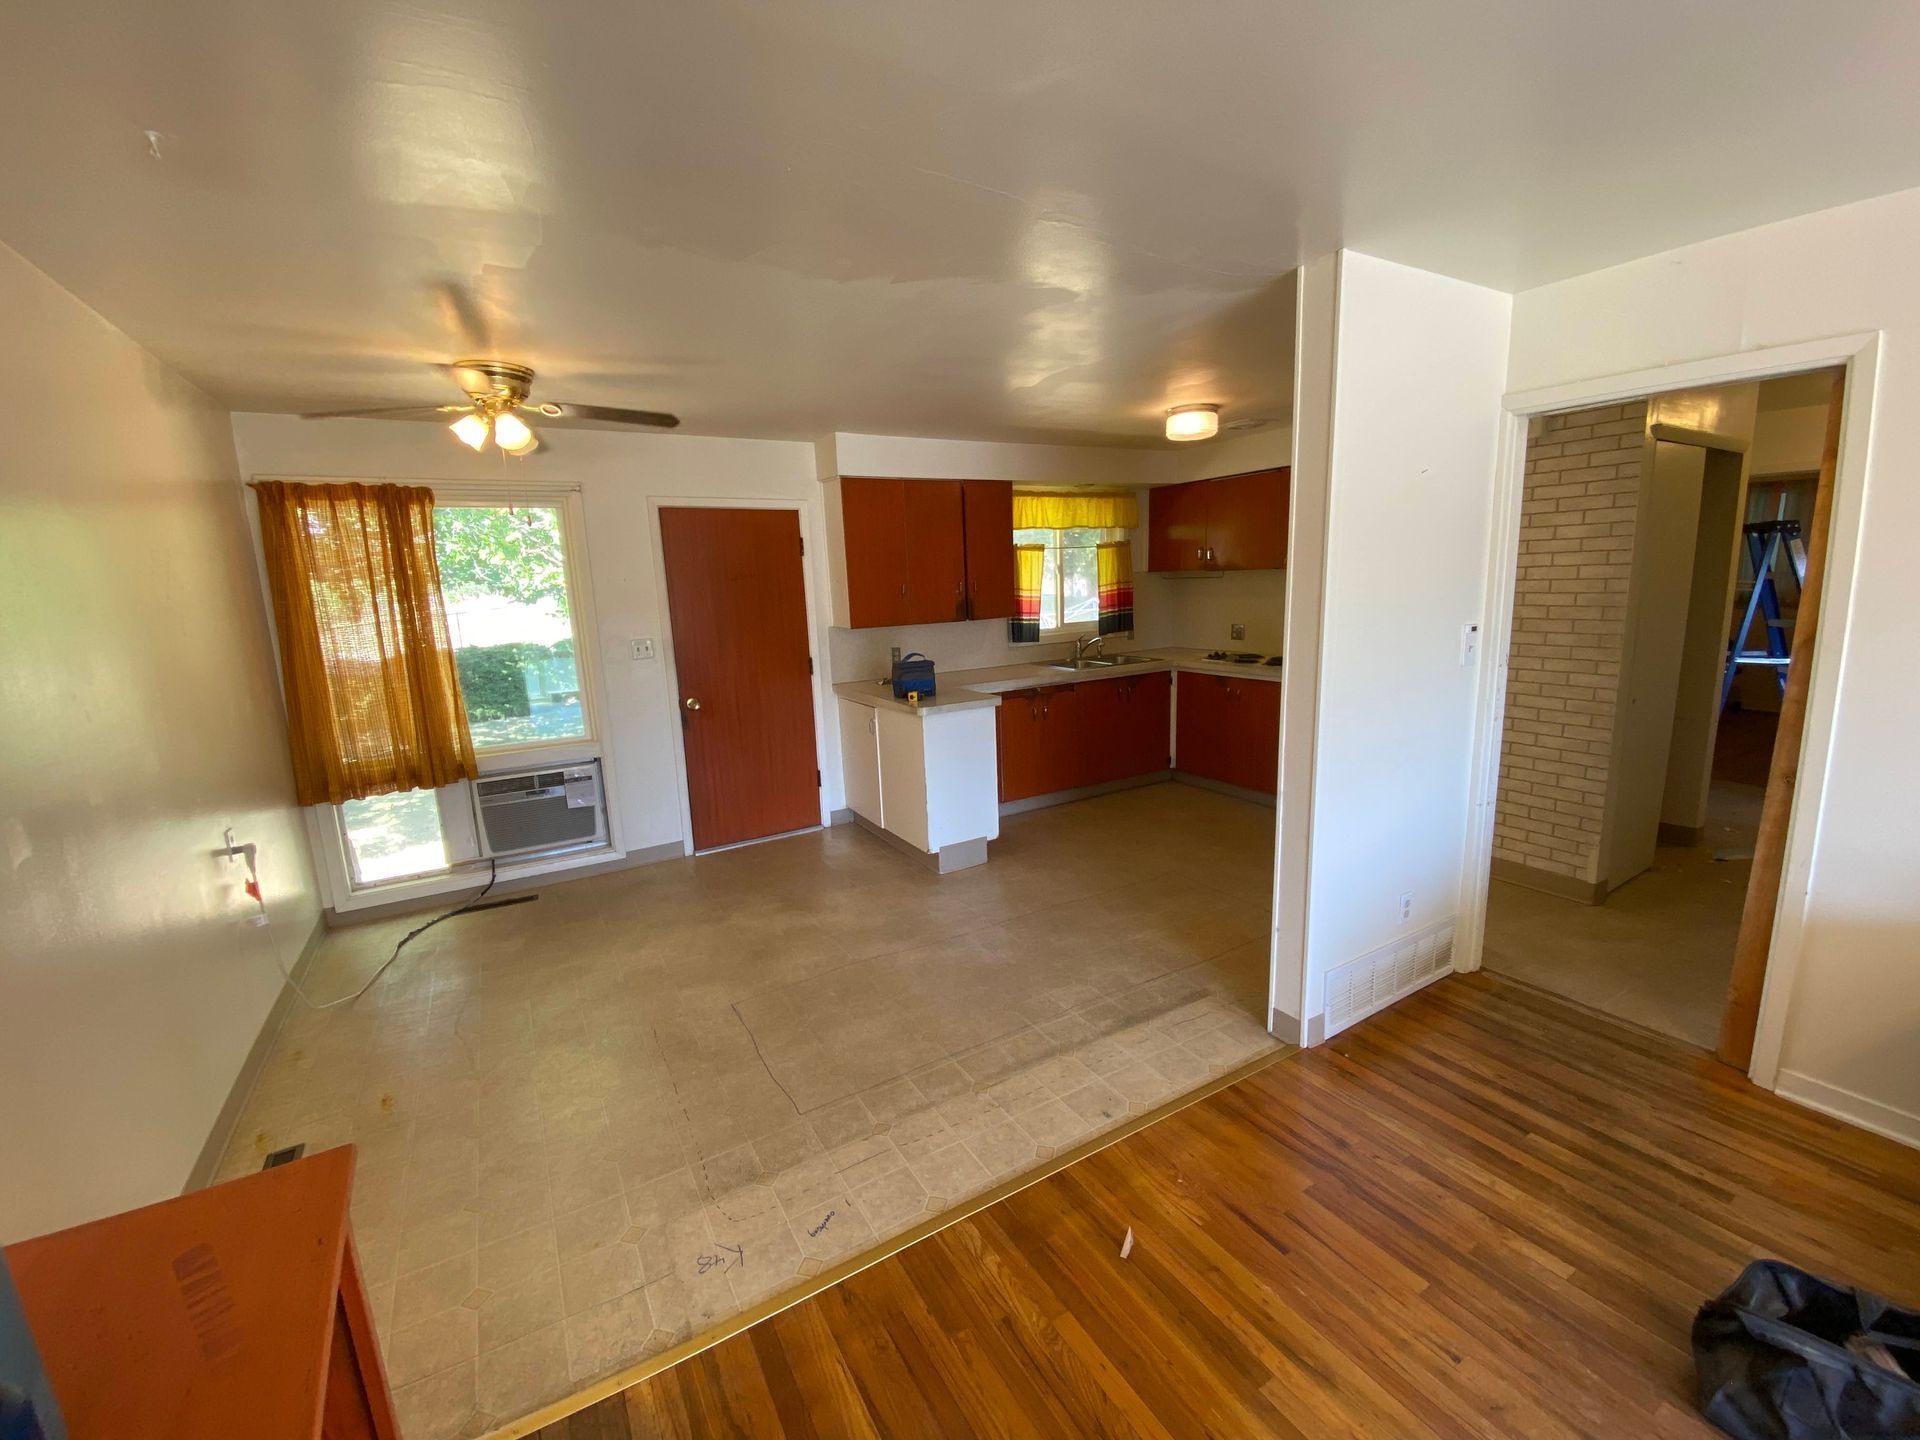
point(1236, 657)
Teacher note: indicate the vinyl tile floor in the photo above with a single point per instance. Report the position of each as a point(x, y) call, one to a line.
point(1659, 950)
point(592, 1126)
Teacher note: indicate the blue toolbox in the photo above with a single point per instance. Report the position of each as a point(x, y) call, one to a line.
point(913, 675)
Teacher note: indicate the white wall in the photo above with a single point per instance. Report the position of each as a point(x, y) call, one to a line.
point(139, 718)
point(1418, 365)
point(1787, 442)
point(1851, 1034)
point(617, 474)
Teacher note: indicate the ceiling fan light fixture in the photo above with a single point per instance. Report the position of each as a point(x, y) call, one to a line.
point(512, 434)
point(1193, 422)
point(471, 430)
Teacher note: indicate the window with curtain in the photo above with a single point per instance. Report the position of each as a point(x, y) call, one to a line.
point(373, 702)
point(1076, 563)
point(508, 592)
point(1069, 575)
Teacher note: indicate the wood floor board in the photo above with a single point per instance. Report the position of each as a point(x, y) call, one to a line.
point(1483, 1212)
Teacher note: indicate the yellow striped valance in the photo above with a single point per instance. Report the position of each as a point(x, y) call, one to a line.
point(1074, 510)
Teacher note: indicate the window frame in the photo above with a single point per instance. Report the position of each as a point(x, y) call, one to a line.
point(572, 545)
point(1076, 629)
point(326, 824)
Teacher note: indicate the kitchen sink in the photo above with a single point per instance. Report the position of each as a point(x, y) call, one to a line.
point(1100, 662)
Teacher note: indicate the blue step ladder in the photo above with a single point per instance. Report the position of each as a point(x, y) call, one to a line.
point(1767, 542)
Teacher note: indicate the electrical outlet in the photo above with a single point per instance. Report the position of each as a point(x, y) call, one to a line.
point(643, 648)
point(1406, 905)
point(1236, 632)
point(1469, 643)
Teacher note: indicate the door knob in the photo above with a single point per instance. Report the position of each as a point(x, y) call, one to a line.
point(692, 704)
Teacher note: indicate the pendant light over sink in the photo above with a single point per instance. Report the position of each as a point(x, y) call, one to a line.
point(1193, 422)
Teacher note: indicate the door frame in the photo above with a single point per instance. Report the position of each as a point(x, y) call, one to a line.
point(1859, 355)
point(815, 544)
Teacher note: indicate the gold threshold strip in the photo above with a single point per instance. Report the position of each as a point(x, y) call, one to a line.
point(826, 1279)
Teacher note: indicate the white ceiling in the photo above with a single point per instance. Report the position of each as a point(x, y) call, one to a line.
point(989, 219)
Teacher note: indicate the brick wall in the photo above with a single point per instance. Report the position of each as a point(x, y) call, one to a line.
point(1569, 627)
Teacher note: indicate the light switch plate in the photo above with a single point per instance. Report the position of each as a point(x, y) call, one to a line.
point(643, 648)
point(1236, 632)
point(1469, 643)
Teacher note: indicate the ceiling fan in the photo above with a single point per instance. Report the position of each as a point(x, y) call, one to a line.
point(497, 400)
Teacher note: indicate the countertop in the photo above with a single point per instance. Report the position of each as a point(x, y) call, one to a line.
point(982, 689)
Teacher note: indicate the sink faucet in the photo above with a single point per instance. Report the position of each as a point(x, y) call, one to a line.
point(1086, 643)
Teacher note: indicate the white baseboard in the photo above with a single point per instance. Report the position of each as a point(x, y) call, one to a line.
point(1845, 1105)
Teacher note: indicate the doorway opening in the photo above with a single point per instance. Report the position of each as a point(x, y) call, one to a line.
point(1668, 577)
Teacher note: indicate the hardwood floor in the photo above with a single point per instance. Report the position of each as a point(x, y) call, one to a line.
point(1486, 1211)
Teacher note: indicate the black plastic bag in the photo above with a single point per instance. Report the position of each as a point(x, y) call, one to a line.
point(1784, 1355)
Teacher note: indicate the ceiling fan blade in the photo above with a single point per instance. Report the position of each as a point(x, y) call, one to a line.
point(389, 412)
point(605, 414)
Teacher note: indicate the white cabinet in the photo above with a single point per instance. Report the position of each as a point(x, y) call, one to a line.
point(925, 778)
point(860, 760)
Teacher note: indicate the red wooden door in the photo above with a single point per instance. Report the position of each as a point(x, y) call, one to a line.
point(1200, 727)
point(989, 527)
point(873, 523)
point(1253, 734)
point(1247, 521)
point(1177, 527)
point(1148, 705)
point(737, 606)
point(936, 548)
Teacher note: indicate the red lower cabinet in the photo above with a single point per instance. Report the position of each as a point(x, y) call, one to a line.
point(1092, 732)
point(1229, 730)
point(1039, 742)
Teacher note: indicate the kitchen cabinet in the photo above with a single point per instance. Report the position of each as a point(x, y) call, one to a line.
point(1236, 522)
point(914, 774)
point(1228, 729)
point(1177, 527)
point(921, 552)
point(935, 538)
point(1092, 732)
point(873, 522)
point(860, 761)
point(1124, 726)
point(1039, 741)
point(988, 506)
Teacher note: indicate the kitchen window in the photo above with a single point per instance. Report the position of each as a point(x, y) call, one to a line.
point(1070, 579)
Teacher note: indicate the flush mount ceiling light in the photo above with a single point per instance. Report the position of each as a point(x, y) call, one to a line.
point(1193, 422)
point(497, 395)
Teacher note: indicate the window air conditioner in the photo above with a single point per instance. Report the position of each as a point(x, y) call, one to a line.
point(540, 811)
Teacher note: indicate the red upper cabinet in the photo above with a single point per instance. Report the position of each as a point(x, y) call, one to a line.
point(936, 549)
point(989, 526)
point(1177, 527)
point(919, 552)
point(1237, 522)
point(873, 518)
point(1247, 521)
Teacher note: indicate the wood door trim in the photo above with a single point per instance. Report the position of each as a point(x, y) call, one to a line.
point(1741, 1018)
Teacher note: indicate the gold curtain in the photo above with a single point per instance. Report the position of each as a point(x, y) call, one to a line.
point(373, 699)
point(1074, 510)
